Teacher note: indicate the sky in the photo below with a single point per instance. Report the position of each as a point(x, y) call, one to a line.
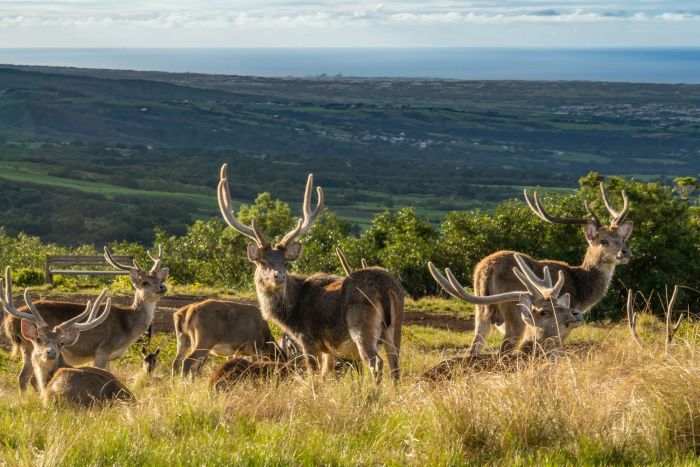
point(323, 23)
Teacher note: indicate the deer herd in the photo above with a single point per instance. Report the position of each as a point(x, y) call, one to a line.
point(324, 317)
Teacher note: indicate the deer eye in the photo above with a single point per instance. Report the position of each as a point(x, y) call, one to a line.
point(544, 313)
point(604, 242)
point(38, 340)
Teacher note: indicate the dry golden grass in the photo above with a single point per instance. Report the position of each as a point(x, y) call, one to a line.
point(608, 403)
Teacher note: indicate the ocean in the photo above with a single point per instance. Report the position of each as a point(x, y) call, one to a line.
point(662, 65)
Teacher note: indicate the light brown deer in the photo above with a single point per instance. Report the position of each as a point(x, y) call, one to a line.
point(586, 283)
point(328, 316)
point(219, 327)
point(547, 315)
point(56, 380)
point(111, 339)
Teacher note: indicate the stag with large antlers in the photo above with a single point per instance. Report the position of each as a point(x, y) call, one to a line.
point(586, 283)
point(55, 379)
point(111, 338)
point(546, 313)
point(328, 316)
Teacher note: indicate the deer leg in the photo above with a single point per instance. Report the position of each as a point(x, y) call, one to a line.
point(183, 346)
point(327, 364)
point(102, 360)
point(392, 354)
point(370, 356)
point(514, 329)
point(27, 371)
point(194, 362)
point(482, 328)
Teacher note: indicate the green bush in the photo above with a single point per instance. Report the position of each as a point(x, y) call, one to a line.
point(27, 277)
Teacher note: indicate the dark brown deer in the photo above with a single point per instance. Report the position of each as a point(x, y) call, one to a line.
point(219, 327)
point(150, 360)
point(55, 379)
point(327, 315)
point(586, 283)
point(111, 339)
point(547, 315)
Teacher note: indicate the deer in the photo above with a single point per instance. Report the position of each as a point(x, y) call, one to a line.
point(586, 284)
point(219, 327)
point(328, 316)
point(56, 380)
point(150, 360)
point(111, 339)
point(235, 370)
point(547, 315)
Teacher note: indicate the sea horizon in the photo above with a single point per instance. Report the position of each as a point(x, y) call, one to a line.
point(631, 64)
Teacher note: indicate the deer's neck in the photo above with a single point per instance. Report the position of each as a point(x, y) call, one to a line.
point(279, 305)
point(144, 309)
point(44, 372)
point(595, 277)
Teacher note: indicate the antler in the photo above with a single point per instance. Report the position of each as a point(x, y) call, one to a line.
point(157, 261)
point(364, 264)
point(617, 216)
point(539, 211)
point(671, 329)
point(632, 316)
point(6, 301)
point(542, 287)
point(452, 286)
point(309, 217)
point(91, 312)
point(110, 259)
point(224, 196)
point(343, 262)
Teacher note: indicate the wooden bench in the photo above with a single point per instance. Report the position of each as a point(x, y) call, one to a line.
point(63, 261)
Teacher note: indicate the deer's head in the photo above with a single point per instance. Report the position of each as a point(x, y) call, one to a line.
point(48, 341)
point(607, 244)
point(547, 315)
point(149, 285)
point(150, 359)
point(271, 261)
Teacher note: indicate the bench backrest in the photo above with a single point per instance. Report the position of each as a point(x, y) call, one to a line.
point(84, 260)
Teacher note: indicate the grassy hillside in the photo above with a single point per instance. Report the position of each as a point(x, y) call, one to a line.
point(137, 138)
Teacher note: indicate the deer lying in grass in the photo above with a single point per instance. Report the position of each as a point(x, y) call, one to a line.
point(671, 327)
point(219, 327)
point(56, 380)
point(111, 339)
point(326, 315)
point(547, 315)
point(236, 370)
point(586, 284)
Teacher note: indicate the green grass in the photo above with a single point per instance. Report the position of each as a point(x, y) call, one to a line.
point(615, 404)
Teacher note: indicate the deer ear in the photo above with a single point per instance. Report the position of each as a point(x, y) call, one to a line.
point(144, 351)
point(591, 231)
point(564, 301)
point(135, 277)
point(253, 252)
point(292, 252)
point(157, 352)
point(163, 274)
point(626, 230)
point(526, 310)
point(69, 336)
point(29, 330)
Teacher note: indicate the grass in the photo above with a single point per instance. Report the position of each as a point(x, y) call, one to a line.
point(612, 404)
